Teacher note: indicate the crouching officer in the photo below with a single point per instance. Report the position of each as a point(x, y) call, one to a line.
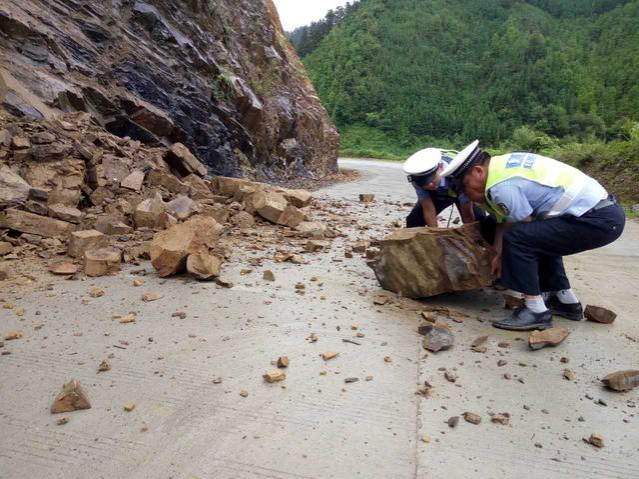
point(546, 210)
point(424, 170)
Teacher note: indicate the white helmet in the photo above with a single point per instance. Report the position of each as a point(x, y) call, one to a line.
point(422, 167)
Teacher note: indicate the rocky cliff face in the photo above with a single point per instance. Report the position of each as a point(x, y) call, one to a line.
point(216, 75)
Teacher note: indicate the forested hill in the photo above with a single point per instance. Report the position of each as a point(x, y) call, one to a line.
point(398, 74)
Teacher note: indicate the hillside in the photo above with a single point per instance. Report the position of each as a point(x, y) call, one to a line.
point(538, 74)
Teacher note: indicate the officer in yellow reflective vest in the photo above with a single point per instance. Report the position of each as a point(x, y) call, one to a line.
point(546, 210)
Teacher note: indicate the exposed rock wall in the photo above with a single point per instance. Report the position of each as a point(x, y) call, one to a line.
point(216, 75)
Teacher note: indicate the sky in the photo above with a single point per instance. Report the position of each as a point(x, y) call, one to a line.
point(296, 13)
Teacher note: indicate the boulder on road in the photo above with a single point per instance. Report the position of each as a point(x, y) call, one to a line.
point(148, 213)
point(423, 262)
point(81, 241)
point(203, 266)
point(181, 158)
point(103, 261)
point(171, 248)
point(25, 222)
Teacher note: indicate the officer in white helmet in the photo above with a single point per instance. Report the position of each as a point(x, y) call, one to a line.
point(424, 170)
point(546, 210)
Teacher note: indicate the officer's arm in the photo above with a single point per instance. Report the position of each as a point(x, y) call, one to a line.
point(467, 213)
point(430, 213)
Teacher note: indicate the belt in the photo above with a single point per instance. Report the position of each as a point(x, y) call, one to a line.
point(611, 200)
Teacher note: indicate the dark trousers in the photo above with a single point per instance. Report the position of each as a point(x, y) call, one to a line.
point(415, 218)
point(532, 252)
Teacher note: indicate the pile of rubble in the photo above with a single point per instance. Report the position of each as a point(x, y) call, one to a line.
point(67, 187)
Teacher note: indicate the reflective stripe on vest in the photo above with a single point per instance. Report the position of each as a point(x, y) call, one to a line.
point(542, 170)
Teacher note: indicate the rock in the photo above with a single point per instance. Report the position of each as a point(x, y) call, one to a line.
point(313, 246)
point(478, 344)
point(366, 198)
point(274, 376)
point(20, 143)
point(71, 398)
point(423, 262)
point(229, 187)
point(472, 418)
point(203, 266)
point(63, 268)
point(244, 393)
point(167, 181)
point(199, 189)
point(361, 246)
point(5, 248)
point(65, 213)
point(218, 212)
point(297, 198)
point(102, 261)
point(243, 220)
point(134, 181)
point(182, 207)
point(502, 419)
point(148, 213)
point(569, 374)
point(596, 440)
point(282, 362)
point(425, 438)
point(453, 421)
point(599, 314)
point(171, 248)
point(81, 241)
point(438, 337)
point(312, 229)
point(105, 365)
point(329, 355)
point(64, 196)
point(274, 208)
point(268, 275)
point(34, 224)
point(129, 406)
point(12, 335)
point(451, 376)
point(112, 226)
point(13, 189)
point(149, 297)
point(513, 302)
point(548, 337)
point(62, 420)
point(180, 158)
point(622, 380)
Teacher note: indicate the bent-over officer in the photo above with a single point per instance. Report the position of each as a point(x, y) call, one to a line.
point(546, 210)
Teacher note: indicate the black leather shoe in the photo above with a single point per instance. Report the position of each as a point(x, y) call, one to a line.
point(523, 319)
point(573, 311)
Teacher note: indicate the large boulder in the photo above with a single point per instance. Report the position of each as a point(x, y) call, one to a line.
point(171, 248)
point(275, 208)
point(25, 222)
point(148, 213)
point(423, 262)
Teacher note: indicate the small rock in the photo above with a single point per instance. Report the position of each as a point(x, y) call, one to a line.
point(366, 198)
point(622, 380)
point(138, 282)
point(548, 337)
point(478, 344)
point(596, 440)
point(329, 355)
point(103, 261)
point(71, 398)
point(105, 365)
point(502, 362)
point(148, 297)
point(62, 420)
point(64, 268)
point(129, 318)
point(451, 376)
point(12, 335)
point(569, 374)
point(425, 438)
point(439, 337)
point(453, 421)
point(599, 314)
point(500, 419)
point(472, 418)
point(96, 292)
point(282, 362)
point(274, 376)
point(351, 380)
point(129, 406)
point(268, 275)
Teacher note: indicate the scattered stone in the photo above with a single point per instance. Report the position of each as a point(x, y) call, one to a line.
point(548, 337)
point(425, 438)
point(312, 229)
point(596, 440)
point(366, 198)
point(622, 380)
point(65, 213)
point(5, 248)
point(599, 314)
point(329, 355)
point(451, 376)
point(203, 266)
point(26, 222)
point(112, 226)
point(268, 275)
point(71, 398)
point(128, 318)
point(439, 337)
point(472, 418)
point(361, 246)
point(129, 406)
point(502, 419)
point(171, 248)
point(148, 213)
point(274, 376)
point(244, 393)
point(182, 207)
point(81, 241)
point(478, 345)
point(148, 297)
point(63, 268)
point(502, 362)
point(134, 181)
point(453, 421)
point(569, 374)
point(351, 380)
point(105, 365)
point(513, 302)
point(12, 335)
point(96, 292)
point(298, 198)
point(423, 262)
point(138, 282)
point(282, 362)
point(312, 338)
point(101, 262)
point(62, 420)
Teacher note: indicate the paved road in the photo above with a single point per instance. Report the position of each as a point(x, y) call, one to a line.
point(313, 425)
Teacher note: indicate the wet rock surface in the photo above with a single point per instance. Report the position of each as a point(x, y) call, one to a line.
point(219, 78)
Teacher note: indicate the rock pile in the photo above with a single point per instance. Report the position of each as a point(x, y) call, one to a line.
point(69, 187)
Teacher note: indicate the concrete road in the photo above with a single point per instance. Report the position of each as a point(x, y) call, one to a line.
point(313, 425)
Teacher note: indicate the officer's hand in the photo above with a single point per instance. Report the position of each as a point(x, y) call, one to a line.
point(495, 266)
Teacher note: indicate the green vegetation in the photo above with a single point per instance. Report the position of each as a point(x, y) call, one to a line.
point(553, 76)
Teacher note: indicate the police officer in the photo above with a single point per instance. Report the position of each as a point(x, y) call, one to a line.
point(433, 195)
point(546, 210)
